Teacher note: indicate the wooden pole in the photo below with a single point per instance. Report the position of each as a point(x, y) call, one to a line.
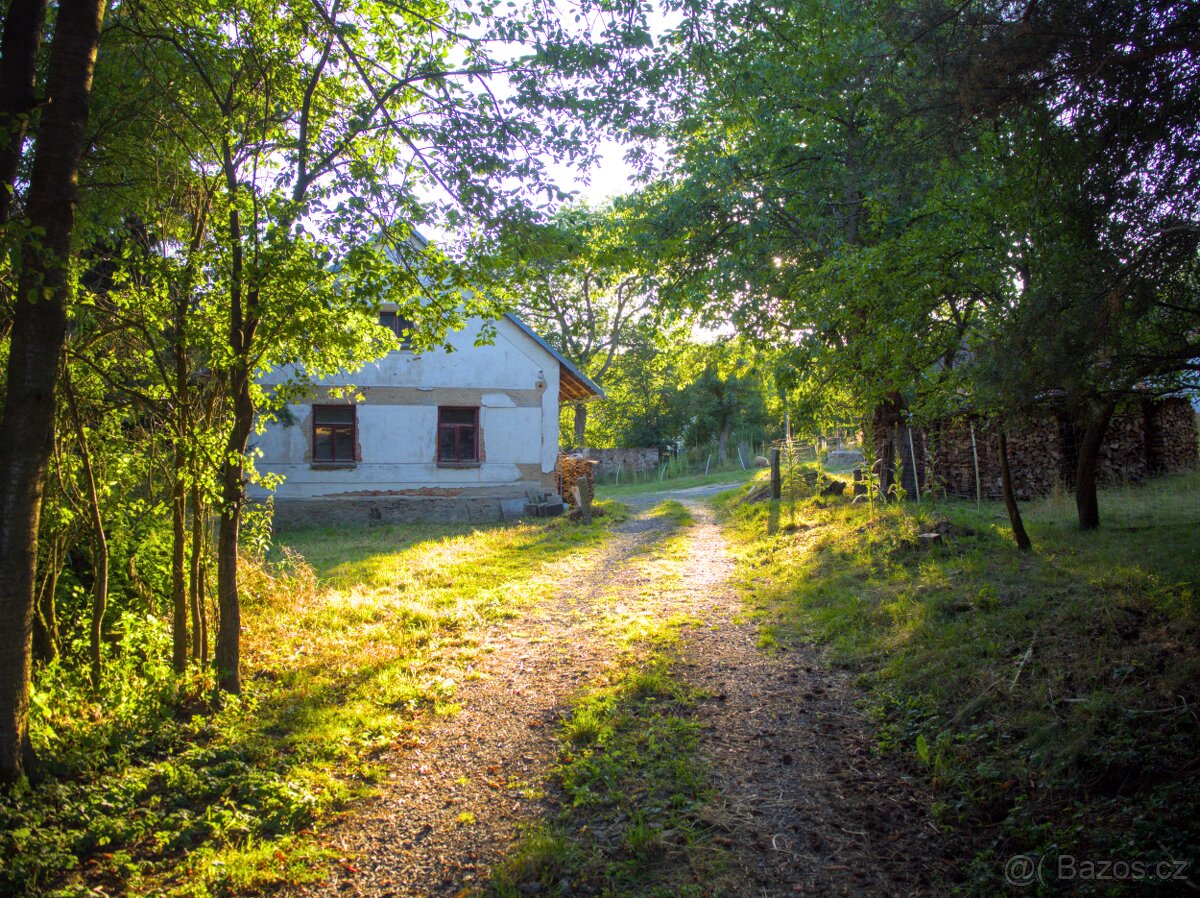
point(912, 454)
point(776, 480)
point(975, 455)
point(583, 500)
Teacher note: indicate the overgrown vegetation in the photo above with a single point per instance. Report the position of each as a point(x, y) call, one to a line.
point(356, 637)
point(1050, 697)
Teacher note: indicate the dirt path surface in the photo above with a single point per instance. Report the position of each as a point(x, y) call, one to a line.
point(804, 806)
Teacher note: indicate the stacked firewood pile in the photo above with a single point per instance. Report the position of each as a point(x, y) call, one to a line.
point(1035, 452)
point(1171, 442)
point(1149, 438)
point(1123, 457)
point(573, 471)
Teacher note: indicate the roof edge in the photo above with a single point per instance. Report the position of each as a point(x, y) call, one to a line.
point(537, 338)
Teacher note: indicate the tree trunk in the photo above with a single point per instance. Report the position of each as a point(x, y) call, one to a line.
point(18, 97)
point(38, 331)
point(723, 446)
point(1010, 498)
point(202, 600)
point(179, 597)
point(581, 412)
point(242, 322)
point(195, 579)
point(1087, 466)
point(228, 653)
point(99, 540)
point(45, 631)
point(883, 421)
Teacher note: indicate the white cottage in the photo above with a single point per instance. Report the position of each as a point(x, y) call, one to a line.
point(465, 436)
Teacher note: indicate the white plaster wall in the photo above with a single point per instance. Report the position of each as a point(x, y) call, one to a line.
point(398, 442)
point(512, 361)
point(549, 424)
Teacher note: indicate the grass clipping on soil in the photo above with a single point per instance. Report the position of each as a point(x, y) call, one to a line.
point(1051, 697)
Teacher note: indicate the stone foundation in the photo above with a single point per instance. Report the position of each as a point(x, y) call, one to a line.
point(447, 506)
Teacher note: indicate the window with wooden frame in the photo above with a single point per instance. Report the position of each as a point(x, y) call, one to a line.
point(458, 435)
point(333, 434)
point(400, 326)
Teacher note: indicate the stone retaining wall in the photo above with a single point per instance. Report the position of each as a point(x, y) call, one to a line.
point(629, 461)
point(358, 511)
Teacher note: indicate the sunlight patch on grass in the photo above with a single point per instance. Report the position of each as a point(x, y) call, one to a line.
point(352, 639)
point(1044, 693)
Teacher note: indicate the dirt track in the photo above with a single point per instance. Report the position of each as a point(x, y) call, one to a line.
point(804, 805)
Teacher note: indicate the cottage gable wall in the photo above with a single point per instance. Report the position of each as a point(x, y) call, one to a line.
point(513, 382)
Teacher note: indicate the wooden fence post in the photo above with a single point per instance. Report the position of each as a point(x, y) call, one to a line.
point(776, 480)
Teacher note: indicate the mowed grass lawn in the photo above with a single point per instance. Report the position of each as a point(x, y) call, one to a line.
point(353, 638)
point(1052, 698)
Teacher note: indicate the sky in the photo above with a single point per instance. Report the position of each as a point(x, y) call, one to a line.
point(610, 178)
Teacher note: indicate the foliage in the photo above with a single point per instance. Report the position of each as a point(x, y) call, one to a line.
point(255, 177)
point(724, 396)
point(642, 405)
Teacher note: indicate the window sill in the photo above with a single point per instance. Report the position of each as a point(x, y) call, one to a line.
point(459, 464)
point(334, 465)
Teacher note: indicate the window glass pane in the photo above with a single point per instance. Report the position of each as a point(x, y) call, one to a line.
point(446, 444)
point(457, 415)
point(466, 444)
point(388, 320)
point(343, 444)
point(322, 444)
point(334, 415)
